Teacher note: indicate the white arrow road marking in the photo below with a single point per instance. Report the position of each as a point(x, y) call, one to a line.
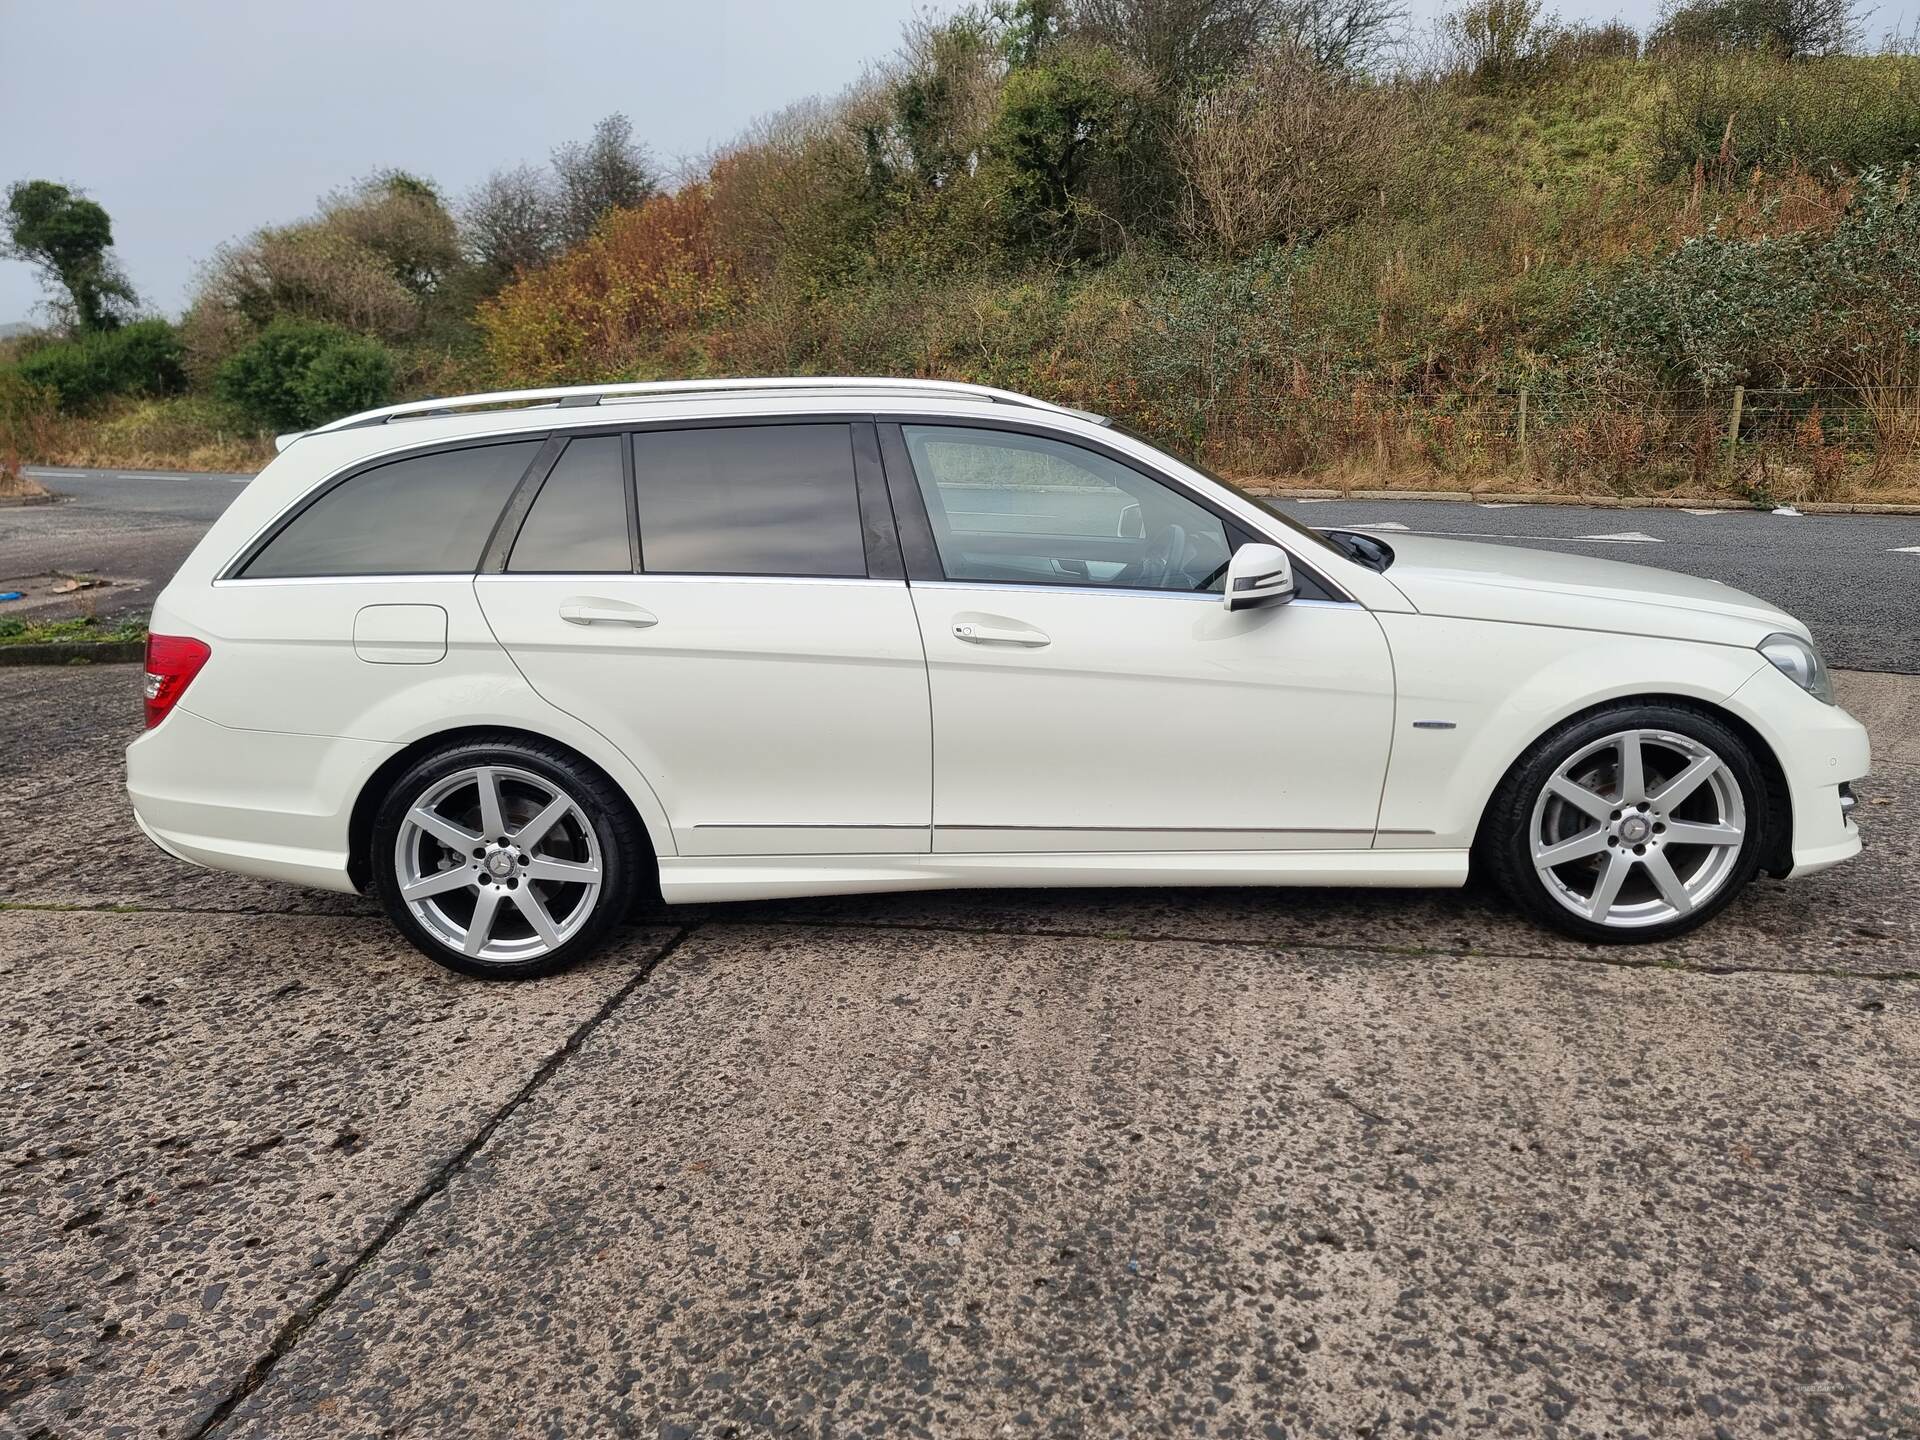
point(1625, 537)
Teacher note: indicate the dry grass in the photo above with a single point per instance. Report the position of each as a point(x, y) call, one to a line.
point(1787, 484)
point(17, 486)
point(177, 434)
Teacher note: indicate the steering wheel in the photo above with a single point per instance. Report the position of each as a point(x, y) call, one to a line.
point(1164, 558)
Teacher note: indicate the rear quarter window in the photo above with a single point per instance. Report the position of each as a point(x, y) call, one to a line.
point(424, 515)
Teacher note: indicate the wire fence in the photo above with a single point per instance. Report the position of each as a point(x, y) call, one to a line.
point(1804, 443)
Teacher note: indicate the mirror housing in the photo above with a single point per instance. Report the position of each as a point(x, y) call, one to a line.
point(1258, 575)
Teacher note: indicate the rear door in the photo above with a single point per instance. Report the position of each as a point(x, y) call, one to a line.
point(726, 603)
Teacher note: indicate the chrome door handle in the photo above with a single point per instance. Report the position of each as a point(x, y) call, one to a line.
point(979, 632)
point(606, 612)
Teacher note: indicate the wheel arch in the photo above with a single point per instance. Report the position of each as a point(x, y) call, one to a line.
point(1777, 838)
point(367, 803)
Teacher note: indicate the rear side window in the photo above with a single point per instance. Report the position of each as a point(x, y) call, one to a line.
point(426, 515)
point(579, 521)
point(751, 500)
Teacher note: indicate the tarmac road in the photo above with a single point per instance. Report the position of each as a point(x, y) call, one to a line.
point(1853, 578)
point(1232, 1163)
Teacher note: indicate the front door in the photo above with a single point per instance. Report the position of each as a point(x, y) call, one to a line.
point(769, 685)
point(1090, 691)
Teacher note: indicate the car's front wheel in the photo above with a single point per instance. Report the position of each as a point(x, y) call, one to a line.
point(504, 859)
point(1632, 823)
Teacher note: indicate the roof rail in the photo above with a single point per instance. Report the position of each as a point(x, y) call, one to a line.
point(582, 395)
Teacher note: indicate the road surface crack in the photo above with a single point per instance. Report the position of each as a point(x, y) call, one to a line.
point(303, 1319)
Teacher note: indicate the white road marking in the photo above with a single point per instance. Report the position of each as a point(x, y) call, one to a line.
point(1704, 512)
point(1905, 550)
point(1500, 504)
point(1785, 510)
point(1625, 537)
point(50, 472)
point(1501, 535)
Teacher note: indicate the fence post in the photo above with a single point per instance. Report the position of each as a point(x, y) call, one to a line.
point(1733, 431)
point(1523, 430)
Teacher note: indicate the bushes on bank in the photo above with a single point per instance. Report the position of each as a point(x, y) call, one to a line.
point(144, 358)
point(1733, 112)
point(302, 373)
point(644, 274)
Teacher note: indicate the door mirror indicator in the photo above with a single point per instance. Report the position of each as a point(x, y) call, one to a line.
point(1258, 575)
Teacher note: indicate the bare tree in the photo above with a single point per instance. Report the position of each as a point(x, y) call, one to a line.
point(508, 224)
point(1187, 44)
point(1283, 151)
point(609, 172)
point(1788, 28)
point(1346, 34)
point(1183, 44)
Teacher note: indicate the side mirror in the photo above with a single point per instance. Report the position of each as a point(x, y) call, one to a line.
point(1132, 525)
point(1258, 575)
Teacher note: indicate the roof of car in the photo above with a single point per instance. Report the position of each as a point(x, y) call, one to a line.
point(516, 410)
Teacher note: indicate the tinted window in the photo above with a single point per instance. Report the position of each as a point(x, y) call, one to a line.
point(579, 523)
point(756, 500)
point(429, 515)
point(1021, 509)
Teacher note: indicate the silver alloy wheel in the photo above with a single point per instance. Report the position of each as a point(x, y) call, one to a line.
point(498, 863)
point(1638, 828)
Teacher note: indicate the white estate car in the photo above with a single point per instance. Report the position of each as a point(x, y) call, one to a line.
point(515, 662)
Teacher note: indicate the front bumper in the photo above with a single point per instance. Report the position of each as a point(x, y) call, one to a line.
point(1822, 750)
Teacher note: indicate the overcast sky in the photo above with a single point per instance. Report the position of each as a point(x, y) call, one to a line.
point(198, 121)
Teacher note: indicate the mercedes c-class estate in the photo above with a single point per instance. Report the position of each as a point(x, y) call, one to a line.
point(514, 663)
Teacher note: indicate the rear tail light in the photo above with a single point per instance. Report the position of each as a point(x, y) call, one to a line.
point(172, 662)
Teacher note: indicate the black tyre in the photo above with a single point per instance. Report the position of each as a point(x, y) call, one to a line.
point(1632, 823)
point(505, 858)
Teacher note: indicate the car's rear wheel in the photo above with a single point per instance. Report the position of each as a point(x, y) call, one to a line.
point(1633, 823)
point(504, 859)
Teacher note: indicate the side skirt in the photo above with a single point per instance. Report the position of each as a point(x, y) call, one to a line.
point(690, 879)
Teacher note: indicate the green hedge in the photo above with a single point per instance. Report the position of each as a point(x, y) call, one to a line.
point(302, 373)
point(145, 358)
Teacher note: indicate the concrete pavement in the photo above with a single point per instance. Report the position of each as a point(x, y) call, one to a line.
point(1070, 1163)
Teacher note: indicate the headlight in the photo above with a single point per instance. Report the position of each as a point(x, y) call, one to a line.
point(1801, 663)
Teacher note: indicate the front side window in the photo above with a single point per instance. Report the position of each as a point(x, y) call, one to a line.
point(425, 515)
point(1024, 509)
point(748, 500)
point(578, 523)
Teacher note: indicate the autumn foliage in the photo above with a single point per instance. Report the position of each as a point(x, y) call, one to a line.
point(644, 275)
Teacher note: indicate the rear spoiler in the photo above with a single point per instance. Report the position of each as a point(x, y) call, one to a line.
point(281, 442)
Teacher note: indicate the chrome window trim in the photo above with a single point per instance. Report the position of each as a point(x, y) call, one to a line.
point(683, 577)
point(454, 577)
point(581, 577)
point(1206, 597)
